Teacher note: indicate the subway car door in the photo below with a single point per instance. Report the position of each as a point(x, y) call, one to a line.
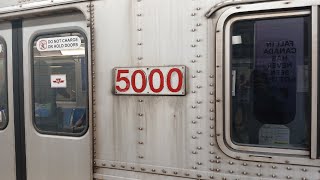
point(7, 125)
point(55, 86)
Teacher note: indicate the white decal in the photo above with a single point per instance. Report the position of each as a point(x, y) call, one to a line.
point(59, 43)
point(58, 81)
point(236, 40)
point(272, 134)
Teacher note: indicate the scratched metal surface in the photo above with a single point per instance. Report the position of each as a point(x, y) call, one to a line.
point(153, 137)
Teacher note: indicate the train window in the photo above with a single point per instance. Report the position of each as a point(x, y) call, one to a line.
point(270, 82)
point(60, 84)
point(3, 87)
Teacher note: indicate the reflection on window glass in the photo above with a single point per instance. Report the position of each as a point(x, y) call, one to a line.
point(60, 83)
point(271, 79)
point(3, 87)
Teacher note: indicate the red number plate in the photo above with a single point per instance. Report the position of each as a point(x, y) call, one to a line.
point(150, 80)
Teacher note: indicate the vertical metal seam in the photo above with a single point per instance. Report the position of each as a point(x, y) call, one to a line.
point(314, 86)
point(93, 61)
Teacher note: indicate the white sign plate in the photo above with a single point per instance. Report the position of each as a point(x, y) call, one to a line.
point(59, 43)
point(58, 81)
point(166, 80)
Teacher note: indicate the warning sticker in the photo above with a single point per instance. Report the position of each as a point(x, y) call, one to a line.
point(58, 81)
point(59, 43)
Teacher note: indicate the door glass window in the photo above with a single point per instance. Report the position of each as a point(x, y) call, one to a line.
point(60, 83)
point(3, 87)
point(271, 80)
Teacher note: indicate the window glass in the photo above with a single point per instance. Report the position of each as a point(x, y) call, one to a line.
point(60, 83)
point(271, 80)
point(3, 87)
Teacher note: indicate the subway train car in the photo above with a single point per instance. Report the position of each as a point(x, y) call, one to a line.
point(159, 89)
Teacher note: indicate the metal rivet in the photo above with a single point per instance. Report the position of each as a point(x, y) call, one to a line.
point(199, 148)
point(304, 170)
point(198, 117)
point(259, 165)
point(140, 58)
point(193, 14)
point(140, 128)
point(193, 61)
point(217, 157)
point(193, 76)
point(193, 122)
point(194, 167)
point(198, 24)
point(231, 171)
point(186, 174)
point(199, 163)
point(194, 152)
point(198, 40)
point(198, 8)
point(139, 29)
point(193, 30)
point(218, 170)
point(211, 152)
point(231, 163)
point(194, 137)
point(139, 44)
point(245, 164)
point(288, 168)
point(153, 170)
point(198, 87)
point(143, 169)
point(193, 45)
point(199, 132)
point(198, 56)
point(140, 114)
point(164, 171)
point(288, 177)
point(274, 167)
point(193, 91)
point(193, 107)
point(244, 173)
point(273, 175)
point(211, 177)
point(175, 172)
point(259, 174)
point(139, 14)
